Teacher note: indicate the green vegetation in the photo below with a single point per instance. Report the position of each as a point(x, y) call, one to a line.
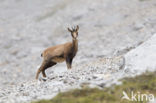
point(145, 83)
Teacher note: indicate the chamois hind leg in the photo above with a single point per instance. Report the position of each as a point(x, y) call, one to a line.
point(49, 64)
point(42, 67)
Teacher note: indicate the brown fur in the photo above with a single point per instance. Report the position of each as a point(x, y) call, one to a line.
point(60, 53)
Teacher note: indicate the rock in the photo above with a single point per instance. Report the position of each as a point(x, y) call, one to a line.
point(142, 58)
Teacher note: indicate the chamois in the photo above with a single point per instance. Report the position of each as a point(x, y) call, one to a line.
point(60, 53)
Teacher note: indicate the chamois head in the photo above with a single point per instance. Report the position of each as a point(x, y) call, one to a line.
point(74, 32)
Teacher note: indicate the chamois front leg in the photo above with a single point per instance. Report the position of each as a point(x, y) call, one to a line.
point(69, 62)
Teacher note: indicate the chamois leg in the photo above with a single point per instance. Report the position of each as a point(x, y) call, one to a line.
point(42, 67)
point(69, 63)
point(49, 64)
point(38, 72)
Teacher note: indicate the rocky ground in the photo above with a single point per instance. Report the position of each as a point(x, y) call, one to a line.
point(116, 39)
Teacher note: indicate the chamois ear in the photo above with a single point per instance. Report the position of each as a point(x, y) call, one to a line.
point(69, 30)
point(77, 28)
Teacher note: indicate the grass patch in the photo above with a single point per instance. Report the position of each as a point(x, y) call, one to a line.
point(145, 83)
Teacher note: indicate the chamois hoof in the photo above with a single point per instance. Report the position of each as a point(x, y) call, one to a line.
point(44, 79)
